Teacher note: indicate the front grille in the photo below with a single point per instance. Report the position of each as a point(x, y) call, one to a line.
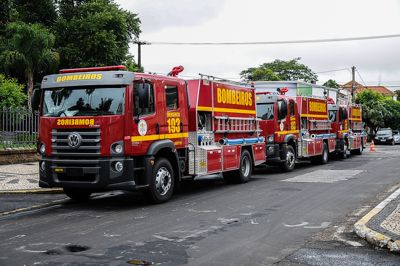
point(90, 145)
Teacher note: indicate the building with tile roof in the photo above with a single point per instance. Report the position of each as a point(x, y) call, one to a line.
point(359, 88)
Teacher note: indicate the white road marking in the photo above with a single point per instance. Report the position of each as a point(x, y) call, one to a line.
point(338, 236)
point(296, 225)
point(322, 226)
point(201, 211)
point(324, 176)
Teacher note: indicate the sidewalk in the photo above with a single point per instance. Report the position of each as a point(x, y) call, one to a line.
point(21, 178)
point(381, 226)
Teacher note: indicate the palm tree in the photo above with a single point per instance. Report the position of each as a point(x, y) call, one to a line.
point(28, 49)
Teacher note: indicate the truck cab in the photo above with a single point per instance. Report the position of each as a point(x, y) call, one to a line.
point(280, 126)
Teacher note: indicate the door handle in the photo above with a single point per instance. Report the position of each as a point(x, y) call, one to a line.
point(181, 126)
point(157, 128)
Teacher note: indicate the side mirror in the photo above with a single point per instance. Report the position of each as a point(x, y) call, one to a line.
point(282, 110)
point(35, 99)
point(342, 114)
point(143, 92)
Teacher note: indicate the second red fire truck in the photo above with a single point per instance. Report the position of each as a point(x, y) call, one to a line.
point(109, 129)
point(295, 128)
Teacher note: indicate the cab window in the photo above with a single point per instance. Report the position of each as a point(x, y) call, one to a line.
point(171, 96)
point(143, 98)
point(291, 108)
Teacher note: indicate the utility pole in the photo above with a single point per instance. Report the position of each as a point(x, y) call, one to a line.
point(353, 82)
point(140, 43)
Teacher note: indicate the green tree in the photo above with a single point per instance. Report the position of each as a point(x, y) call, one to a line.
point(392, 118)
point(331, 84)
point(94, 33)
point(374, 110)
point(131, 64)
point(28, 49)
point(36, 11)
point(11, 93)
point(280, 70)
point(397, 92)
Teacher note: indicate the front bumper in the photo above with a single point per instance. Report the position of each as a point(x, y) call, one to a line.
point(274, 154)
point(94, 174)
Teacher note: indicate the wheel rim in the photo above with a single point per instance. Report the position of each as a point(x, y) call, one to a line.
point(325, 155)
point(345, 151)
point(245, 166)
point(163, 181)
point(290, 159)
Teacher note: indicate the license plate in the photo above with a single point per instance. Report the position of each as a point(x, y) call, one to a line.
point(74, 172)
point(383, 140)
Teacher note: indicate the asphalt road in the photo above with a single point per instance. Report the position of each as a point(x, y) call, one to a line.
point(304, 217)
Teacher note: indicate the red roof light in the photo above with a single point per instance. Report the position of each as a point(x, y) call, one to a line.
point(92, 69)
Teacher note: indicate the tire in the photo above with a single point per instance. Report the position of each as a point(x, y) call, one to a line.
point(393, 143)
point(343, 155)
point(243, 174)
point(162, 182)
point(290, 160)
point(323, 158)
point(78, 195)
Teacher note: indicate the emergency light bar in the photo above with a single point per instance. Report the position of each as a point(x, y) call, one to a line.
point(92, 69)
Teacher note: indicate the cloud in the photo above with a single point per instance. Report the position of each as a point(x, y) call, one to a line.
point(159, 14)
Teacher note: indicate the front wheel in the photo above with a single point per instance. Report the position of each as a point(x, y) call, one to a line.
point(162, 181)
point(78, 195)
point(290, 160)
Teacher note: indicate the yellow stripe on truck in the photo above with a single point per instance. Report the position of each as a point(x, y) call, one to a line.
point(227, 110)
point(160, 136)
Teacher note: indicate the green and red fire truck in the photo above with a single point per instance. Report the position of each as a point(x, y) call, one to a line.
point(105, 128)
point(295, 128)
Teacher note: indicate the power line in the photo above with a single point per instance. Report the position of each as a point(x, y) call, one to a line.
point(335, 70)
point(279, 42)
point(361, 77)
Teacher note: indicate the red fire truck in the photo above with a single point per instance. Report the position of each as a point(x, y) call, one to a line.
point(106, 128)
point(295, 128)
point(346, 123)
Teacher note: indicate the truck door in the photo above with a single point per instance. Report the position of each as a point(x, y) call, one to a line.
point(176, 119)
point(146, 115)
point(292, 116)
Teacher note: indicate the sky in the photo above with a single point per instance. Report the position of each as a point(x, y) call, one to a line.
point(377, 61)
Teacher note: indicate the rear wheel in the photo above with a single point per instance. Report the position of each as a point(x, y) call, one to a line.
point(243, 174)
point(323, 158)
point(78, 195)
point(162, 181)
point(290, 160)
point(357, 151)
point(343, 155)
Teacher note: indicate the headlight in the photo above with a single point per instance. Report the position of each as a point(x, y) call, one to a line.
point(42, 148)
point(118, 148)
point(118, 166)
point(43, 165)
point(270, 138)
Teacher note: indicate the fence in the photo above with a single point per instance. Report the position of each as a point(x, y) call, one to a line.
point(18, 128)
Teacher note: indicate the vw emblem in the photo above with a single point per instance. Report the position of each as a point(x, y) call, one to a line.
point(74, 140)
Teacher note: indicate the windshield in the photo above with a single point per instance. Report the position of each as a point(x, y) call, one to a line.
point(384, 132)
point(83, 101)
point(265, 111)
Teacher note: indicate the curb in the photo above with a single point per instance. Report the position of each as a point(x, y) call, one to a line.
point(372, 236)
point(32, 208)
point(33, 191)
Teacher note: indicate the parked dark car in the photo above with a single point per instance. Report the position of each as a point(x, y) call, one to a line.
point(384, 136)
